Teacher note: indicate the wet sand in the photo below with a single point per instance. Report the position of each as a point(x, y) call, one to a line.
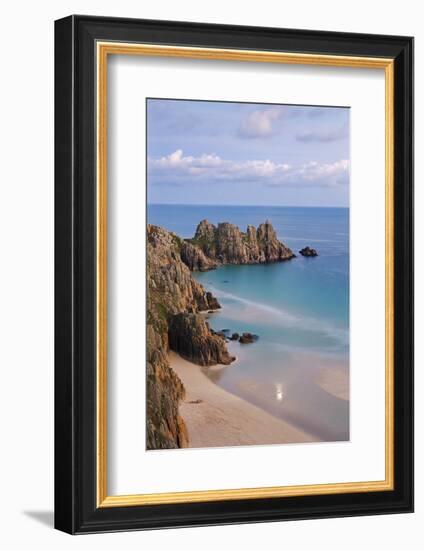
point(335, 381)
point(217, 418)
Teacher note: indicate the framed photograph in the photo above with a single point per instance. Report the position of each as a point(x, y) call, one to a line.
point(234, 270)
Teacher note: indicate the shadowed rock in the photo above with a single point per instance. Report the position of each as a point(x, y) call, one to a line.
point(191, 337)
point(195, 259)
point(308, 252)
point(247, 338)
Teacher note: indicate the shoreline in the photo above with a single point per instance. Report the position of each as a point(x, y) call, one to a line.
point(215, 417)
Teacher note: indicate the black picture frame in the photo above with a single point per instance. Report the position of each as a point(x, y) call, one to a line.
point(76, 510)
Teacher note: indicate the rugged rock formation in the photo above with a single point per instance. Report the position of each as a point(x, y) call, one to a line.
point(211, 302)
point(191, 337)
point(174, 300)
point(248, 338)
point(165, 427)
point(226, 244)
point(308, 252)
point(195, 259)
point(170, 290)
point(170, 284)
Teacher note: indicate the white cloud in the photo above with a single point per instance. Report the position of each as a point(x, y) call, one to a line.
point(259, 124)
point(332, 173)
point(176, 168)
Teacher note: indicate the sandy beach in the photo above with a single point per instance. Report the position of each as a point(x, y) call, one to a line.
point(335, 381)
point(216, 418)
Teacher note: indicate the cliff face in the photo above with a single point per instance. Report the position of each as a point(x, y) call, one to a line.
point(195, 259)
point(171, 290)
point(191, 337)
point(174, 300)
point(165, 428)
point(226, 244)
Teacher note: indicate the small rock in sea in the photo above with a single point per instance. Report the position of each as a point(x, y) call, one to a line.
point(225, 281)
point(248, 338)
point(221, 334)
point(212, 311)
point(235, 336)
point(308, 252)
point(225, 330)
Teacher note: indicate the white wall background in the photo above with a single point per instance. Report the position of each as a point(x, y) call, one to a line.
point(26, 285)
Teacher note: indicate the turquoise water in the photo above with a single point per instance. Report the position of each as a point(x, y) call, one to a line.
point(299, 309)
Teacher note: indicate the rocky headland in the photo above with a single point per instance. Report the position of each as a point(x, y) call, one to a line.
point(226, 244)
point(171, 291)
point(175, 302)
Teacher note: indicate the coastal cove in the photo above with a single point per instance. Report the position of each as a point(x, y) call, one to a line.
point(297, 371)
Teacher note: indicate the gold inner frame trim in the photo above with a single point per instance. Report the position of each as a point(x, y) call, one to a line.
point(103, 50)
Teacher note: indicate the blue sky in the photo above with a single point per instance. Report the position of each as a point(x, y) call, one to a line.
point(205, 152)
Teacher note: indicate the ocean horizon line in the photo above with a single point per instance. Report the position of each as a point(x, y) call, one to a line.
point(245, 205)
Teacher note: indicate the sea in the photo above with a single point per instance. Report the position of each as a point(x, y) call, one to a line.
point(299, 309)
